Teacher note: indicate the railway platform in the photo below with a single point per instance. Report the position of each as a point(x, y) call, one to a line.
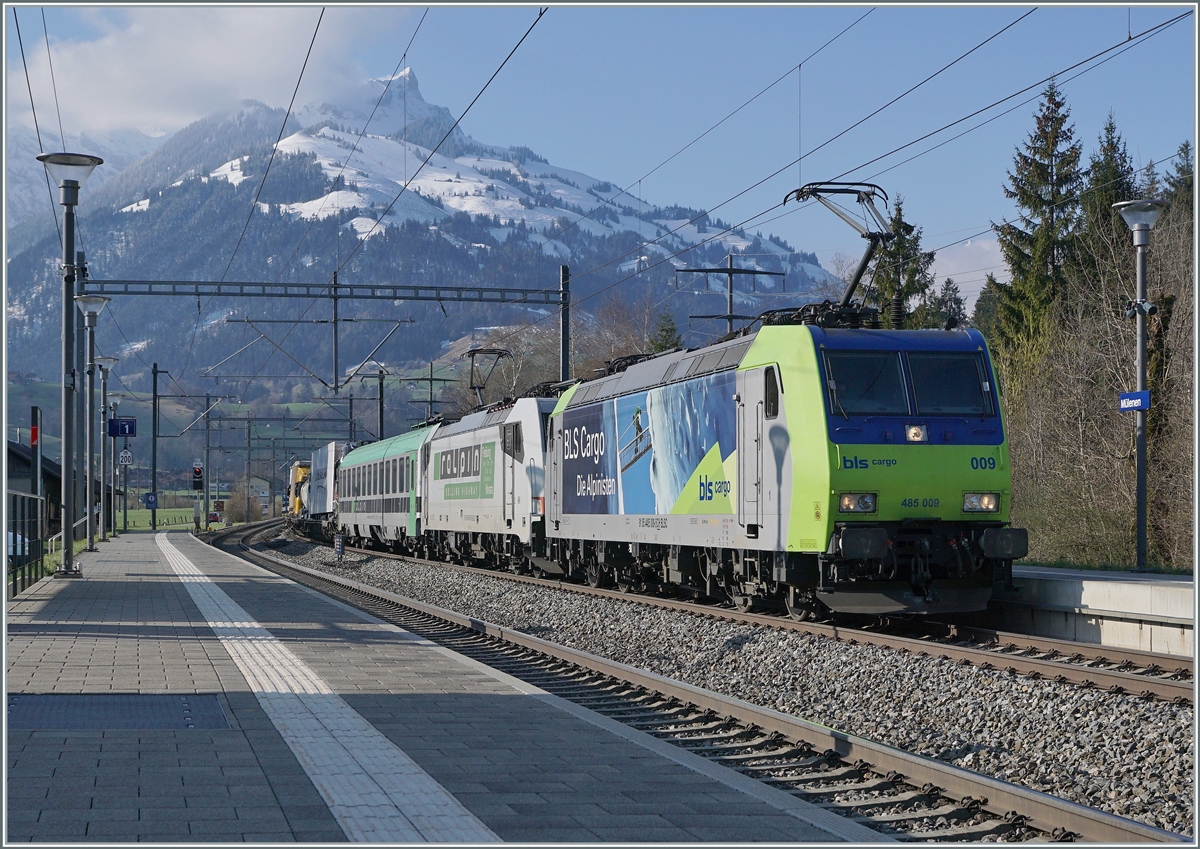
point(1127, 610)
point(177, 694)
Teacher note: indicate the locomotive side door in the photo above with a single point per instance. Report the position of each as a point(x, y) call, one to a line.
point(553, 475)
point(750, 448)
point(514, 456)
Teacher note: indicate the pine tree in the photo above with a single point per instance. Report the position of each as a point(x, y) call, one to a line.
point(1179, 181)
point(986, 317)
point(666, 334)
point(1110, 178)
point(900, 266)
point(1037, 247)
point(946, 307)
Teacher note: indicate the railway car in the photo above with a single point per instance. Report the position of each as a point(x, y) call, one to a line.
point(297, 482)
point(378, 492)
point(484, 479)
point(862, 469)
point(813, 461)
point(819, 461)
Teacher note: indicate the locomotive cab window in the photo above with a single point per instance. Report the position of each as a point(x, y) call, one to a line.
point(949, 384)
point(865, 383)
point(770, 393)
point(513, 445)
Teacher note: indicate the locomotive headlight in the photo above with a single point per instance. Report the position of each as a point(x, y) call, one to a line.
point(916, 433)
point(981, 502)
point(856, 502)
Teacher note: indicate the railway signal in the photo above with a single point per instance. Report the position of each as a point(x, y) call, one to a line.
point(198, 475)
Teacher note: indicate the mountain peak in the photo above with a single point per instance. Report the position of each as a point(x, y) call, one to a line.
point(399, 103)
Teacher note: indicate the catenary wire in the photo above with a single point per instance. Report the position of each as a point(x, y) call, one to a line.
point(610, 202)
point(362, 241)
point(53, 84)
point(36, 129)
point(354, 149)
point(274, 149)
point(341, 171)
point(1140, 38)
point(257, 194)
point(801, 157)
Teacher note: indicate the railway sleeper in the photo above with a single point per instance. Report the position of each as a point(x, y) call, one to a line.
point(741, 760)
point(713, 748)
point(719, 737)
point(958, 833)
point(912, 797)
point(949, 811)
point(648, 711)
point(808, 764)
point(849, 773)
point(868, 786)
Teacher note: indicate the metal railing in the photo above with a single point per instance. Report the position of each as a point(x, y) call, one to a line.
point(26, 540)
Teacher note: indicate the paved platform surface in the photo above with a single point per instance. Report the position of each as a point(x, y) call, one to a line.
point(177, 694)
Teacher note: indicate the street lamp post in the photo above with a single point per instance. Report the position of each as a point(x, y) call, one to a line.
point(91, 305)
point(1141, 216)
point(69, 171)
point(105, 364)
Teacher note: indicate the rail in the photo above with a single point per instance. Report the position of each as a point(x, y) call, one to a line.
point(1046, 813)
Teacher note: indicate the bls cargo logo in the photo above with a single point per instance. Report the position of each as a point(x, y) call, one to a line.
point(710, 487)
point(852, 463)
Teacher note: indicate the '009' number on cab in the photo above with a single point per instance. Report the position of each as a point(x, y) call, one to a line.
point(920, 502)
point(978, 463)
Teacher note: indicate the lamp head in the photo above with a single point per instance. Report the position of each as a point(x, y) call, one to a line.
point(1140, 214)
point(91, 304)
point(70, 166)
point(107, 363)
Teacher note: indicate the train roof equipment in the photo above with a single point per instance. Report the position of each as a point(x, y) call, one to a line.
point(843, 314)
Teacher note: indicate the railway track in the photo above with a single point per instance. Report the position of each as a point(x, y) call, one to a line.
point(905, 797)
point(1145, 674)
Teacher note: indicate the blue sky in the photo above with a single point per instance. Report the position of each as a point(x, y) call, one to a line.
point(615, 92)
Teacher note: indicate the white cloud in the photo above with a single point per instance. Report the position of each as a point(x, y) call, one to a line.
point(969, 264)
point(160, 68)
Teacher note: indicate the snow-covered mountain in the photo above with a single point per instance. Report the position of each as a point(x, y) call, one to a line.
point(25, 190)
point(482, 210)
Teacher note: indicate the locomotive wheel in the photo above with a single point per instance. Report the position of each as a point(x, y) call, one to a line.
point(595, 575)
point(743, 603)
point(801, 611)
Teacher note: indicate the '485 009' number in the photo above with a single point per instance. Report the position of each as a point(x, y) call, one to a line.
point(920, 502)
point(978, 463)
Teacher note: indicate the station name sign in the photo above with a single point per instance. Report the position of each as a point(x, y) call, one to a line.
point(1132, 401)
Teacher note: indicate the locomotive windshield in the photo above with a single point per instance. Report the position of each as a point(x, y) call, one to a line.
point(949, 384)
point(873, 383)
point(866, 383)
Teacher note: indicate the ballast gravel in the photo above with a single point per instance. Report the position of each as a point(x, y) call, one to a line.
point(1121, 754)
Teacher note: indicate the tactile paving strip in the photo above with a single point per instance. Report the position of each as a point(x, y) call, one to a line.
point(110, 711)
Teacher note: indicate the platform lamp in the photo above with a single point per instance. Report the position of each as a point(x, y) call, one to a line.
point(105, 364)
point(69, 171)
point(90, 306)
point(1141, 215)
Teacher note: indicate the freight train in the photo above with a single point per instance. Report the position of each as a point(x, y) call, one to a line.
point(815, 461)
